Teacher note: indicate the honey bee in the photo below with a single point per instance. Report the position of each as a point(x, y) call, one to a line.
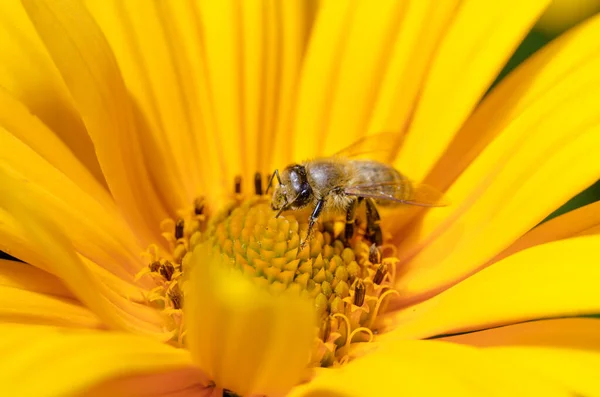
point(340, 183)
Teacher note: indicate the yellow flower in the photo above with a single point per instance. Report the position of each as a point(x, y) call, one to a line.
point(116, 115)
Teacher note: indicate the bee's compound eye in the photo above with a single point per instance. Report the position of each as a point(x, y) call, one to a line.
point(304, 196)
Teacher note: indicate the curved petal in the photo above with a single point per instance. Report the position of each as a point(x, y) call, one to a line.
point(546, 153)
point(563, 14)
point(565, 350)
point(576, 370)
point(362, 70)
point(579, 222)
point(251, 54)
point(20, 275)
point(187, 382)
point(246, 338)
point(364, 53)
point(30, 295)
point(28, 307)
point(420, 34)
point(542, 79)
point(91, 221)
point(27, 128)
point(551, 280)
point(48, 361)
point(568, 333)
point(87, 65)
point(471, 53)
point(429, 368)
point(150, 52)
point(115, 310)
point(28, 74)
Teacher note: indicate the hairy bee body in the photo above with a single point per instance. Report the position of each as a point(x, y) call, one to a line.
point(341, 182)
point(329, 178)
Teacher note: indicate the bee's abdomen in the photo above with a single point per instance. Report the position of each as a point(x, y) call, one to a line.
point(372, 172)
point(391, 182)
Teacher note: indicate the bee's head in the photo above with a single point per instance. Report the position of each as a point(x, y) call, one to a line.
point(293, 191)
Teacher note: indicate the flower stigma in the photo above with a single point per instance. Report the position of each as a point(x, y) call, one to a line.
point(346, 281)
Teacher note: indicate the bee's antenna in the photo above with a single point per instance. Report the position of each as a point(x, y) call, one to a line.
point(275, 174)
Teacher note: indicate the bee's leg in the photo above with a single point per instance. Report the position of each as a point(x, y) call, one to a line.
point(312, 220)
point(351, 218)
point(373, 233)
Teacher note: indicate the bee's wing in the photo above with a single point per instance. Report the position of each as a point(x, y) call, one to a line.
point(405, 192)
point(382, 146)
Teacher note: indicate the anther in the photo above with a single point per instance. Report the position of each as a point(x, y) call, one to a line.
point(374, 254)
point(238, 184)
point(176, 297)
point(199, 206)
point(325, 328)
point(359, 293)
point(166, 270)
point(258, 188)
point(179, 228)
point(379, 274)
point(154, 266)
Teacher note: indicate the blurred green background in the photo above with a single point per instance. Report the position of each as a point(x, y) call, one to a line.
point(561, 16)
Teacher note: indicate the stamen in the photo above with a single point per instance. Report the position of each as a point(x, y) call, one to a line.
point(154, 266)
point(381, 271)
point(374, 254)
point(238, 185)
point(176, 296)
point(166, 270)
point(325, 329)
point(356, 331)
point(359, 293)
point(199, 206)
point(179, 229)
point(258, 188)
point(379, 303)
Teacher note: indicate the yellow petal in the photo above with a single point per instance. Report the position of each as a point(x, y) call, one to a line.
point(89, 69)
point(188, 382)
point(24, 126)
point(30, 295)
point(245, 338)
point(42, 232)
point(562, 68)
point(544, 153)
point(20, 275)
point(428, 368)
point(297, 18)
point(579, 222)
point(48, 361)
point(221, 30)
point(551, 280)
point(91, 222)
point(576, 370)
point(28, 74)
point(570, 333)
point(470, 54)
point(151, 52)
point(317, 79)
point(27, 307)
point(564, 350)
point(563, 14)
point(420, 32)
point(361, 63)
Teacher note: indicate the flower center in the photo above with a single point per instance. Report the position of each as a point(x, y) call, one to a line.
point(347, 280)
